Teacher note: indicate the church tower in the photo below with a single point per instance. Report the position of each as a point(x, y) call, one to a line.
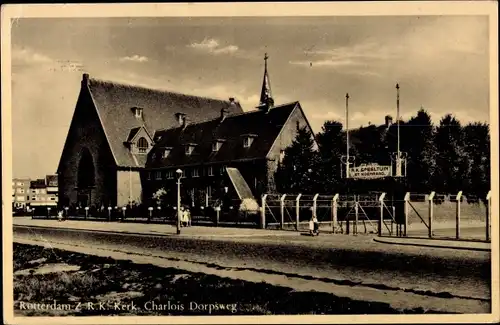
point(266, 97)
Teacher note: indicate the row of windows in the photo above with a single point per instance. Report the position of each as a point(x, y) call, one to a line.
point(247, 142)
point(193, 172)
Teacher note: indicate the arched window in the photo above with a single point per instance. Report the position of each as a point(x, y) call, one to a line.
point(143, 145)
point(86, 171)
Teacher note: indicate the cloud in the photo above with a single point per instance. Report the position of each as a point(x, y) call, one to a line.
point(29, 56)
point(212, 46)
point(134, 58)
point(330, 115)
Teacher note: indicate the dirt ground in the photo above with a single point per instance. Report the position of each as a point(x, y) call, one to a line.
point(83, 285)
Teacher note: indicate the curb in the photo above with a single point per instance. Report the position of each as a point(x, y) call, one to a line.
point(433, 246)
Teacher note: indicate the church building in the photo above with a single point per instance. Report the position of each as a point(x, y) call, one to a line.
point(126, 142)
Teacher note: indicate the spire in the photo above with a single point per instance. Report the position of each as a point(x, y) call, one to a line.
point(266, 97)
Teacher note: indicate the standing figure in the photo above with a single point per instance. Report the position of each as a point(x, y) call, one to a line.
point(60, 216)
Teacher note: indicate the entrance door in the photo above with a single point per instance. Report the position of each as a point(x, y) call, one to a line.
point(83, 199)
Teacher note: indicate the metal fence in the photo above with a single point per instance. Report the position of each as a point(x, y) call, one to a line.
point(429, 215)
point(416, 215)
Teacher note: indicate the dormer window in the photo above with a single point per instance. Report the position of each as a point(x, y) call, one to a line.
point(216, 146)
point(248, 140)
point(142, 145)
point(166, 152)
point(189, 149)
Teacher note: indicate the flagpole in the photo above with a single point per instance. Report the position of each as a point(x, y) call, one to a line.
point(398, 157)
point(347, 132)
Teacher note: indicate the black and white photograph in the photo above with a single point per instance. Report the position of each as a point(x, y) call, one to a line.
point(250, 163)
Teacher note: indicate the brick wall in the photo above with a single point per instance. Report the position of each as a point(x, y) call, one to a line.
point(86, 133)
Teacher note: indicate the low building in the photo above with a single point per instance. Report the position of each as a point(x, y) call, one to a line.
point(20, 193)
point(43, 192)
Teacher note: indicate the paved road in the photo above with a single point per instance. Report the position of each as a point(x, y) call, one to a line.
point(341, 260)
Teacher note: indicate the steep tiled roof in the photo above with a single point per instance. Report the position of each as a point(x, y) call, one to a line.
point(114, 103)
point(264, 127)
point(132, 133)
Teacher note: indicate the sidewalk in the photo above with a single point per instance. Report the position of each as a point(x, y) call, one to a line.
point(361, 241)
point(435, 243)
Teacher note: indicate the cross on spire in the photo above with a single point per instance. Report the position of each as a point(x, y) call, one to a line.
point(266, 97)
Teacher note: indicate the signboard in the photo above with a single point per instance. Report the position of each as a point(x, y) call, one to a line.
point(370, 171)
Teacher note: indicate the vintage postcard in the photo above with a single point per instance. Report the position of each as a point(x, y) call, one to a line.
point(250, 163)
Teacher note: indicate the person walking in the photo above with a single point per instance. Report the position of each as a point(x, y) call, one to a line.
point(316, 225)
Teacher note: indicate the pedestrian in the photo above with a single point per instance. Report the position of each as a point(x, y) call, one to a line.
point(181, 216)
point(60, 216)
point(311, 227)
point(316, 225)
point(188, 217)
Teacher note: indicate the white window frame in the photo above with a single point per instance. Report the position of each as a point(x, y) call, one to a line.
point(158, 175)
point(166, 152)
point(195, 172)
point(210, 171)
point(170, 174)
point(143, 150)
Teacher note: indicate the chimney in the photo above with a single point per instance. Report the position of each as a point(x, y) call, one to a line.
point(388, 120)
point(180, 117)
point(224, 112)
point(85, 79)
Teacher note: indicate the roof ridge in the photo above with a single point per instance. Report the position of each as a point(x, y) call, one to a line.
point(229, 116)
point(127, 85)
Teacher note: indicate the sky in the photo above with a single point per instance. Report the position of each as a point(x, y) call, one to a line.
point(440, 62)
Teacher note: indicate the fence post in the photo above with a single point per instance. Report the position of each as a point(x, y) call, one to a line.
point(459, 198)
point(217, 216)
point(282, 211)
point(109, 213)
point(488, 215)
point(48, 213)
point(431, 211)
point(392, 221)
point(124, 209)
point(315, 205)
point(297, 211)
point(356, 211)
point(66, 210)
point(263, 212)
point(150, 214)
point(407, 214)
point(86, 212)
point(334, 212)
point(381, 220)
